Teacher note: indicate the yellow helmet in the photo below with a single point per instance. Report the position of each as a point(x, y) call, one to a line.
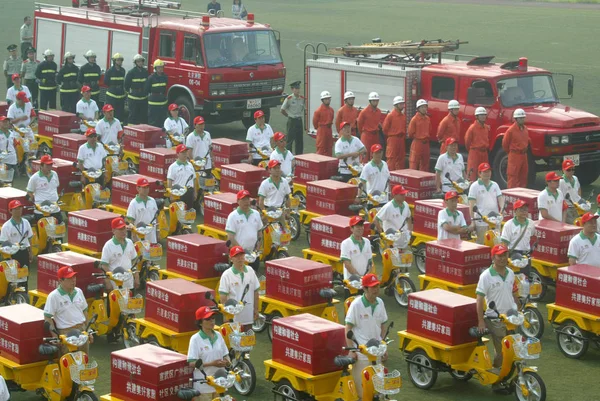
point(158, 63)
point(117, 56)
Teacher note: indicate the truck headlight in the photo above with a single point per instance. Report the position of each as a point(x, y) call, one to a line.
point(564, 140)
point(273, 88)
point(214, 93)
point(554, 140)
point(279, 87)
point(222, 92)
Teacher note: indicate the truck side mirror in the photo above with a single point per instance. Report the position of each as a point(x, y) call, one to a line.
point(570, 87)
point(471, 96)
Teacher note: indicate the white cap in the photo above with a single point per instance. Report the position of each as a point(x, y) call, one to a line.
point(349, 95)
point(373, 96)
point(480, 111)
point(453, 104)
point(519, 113)
point(398, 99)
point(421, 102)
point(325, 95)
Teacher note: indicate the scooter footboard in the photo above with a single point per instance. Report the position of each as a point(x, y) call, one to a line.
point(318, 387)
point(450, 355)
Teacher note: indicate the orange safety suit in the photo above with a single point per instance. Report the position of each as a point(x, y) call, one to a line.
point(368, 123)
point(348, 114)
point(515, 143)
point(449, 128)
point(322, 122)
point(477, 142)
point(418, 130)
point(394, 129)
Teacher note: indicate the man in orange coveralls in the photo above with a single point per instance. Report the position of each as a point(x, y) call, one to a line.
point(322, 122)
point(418, 130)
point(394, 129)
point(477, 142)
point(450, 126)
point(347, 113)
point(515, 143)
point(369, 122)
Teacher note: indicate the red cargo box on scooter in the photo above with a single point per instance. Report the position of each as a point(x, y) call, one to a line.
point(457, 261)
point(442, 316)
point(330, 197)
point(66, 146)
point(525, 194)
point(413, 179)
point(3, 108)
point(235, 177)
point(425, 215)
point(48, 264)
point(124, 189)
point(155, 162)
point(314, 167)
point(195, 255)
point(297, 281)
point(328, 232)
point(172, 303)
point(90, 229)
point(217, 208)
point(8, 194)
point(137, 137)
point(64, 169)
point(52, 122)
point(21, 333)
point(228, 151)
point(553, 240)
point(148, 372)
point(308, 343)
point(578, 288)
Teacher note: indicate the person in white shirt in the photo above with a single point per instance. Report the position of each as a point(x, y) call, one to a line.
point(375, 173)
point(207, 351)
point(11, 93)
point(43, 186)
point(17, 230)
point(233, 283)
point(21, 111)
point(86, 107)
point(598, 211)
point(119, 251)
point(551, 201)
point(259, 136)
point(109, 128)
point(174, 124)
point(244, 226)
point(7, 143)
point(355, 251)
point(182, 173)
point(451, 221)
point(274, 191)
point(199, 142)
point(487, 196)
point(366, 317)
point(348, 150)
point(395, 215)
point(91, 155)
point(584, 248)
point(451, 163)
point(281, 154)
point(571, 189)
point(143, 209)
point(517, 232)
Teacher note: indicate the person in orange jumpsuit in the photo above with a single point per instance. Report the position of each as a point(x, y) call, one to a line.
point(450, 126)
point(369, 122)
point(322, 122)
point(477, 142)
point(515, 144)
point(347, 113)
point(394, 129)
point(419, 130)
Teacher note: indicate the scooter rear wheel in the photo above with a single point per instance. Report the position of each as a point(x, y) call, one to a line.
point(287, 392)
point(86, 396)
point(419, 255)
point(574, 343)
point(274, 315)
point(260, 324)
point(152, 341)
point(422, 370)
point(535, 385)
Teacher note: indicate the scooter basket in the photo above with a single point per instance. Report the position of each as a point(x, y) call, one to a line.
point(528, 349)
point(207, 182)
point(263, 285)
point(54, 230)
point(131, 305)
point(6, 174)
point(242, 342)
point(151, 252)
point(118, 167)
point(401, 259)
point(186, 216)
point(280, 237)
point(387, 383)
point(30, 146)
point(99, 195)
point(84, 374)
point(14, 273)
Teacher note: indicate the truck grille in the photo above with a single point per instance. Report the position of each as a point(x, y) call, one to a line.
point(585, 137)
point(247, 88)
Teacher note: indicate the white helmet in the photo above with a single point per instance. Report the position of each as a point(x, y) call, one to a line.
point(349, 95)
point(325, 95)
point(453, 104)
point(480, 111)
point(373, 96)
point(89, 53)
point(398, 99)
point(421, 102)
point(69, 54)
point(48, 52)
point(138, 57)
point(519, 113)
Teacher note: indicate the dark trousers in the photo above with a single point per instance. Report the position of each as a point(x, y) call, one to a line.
point(138, 111)
point(188, 198)
point(119, 106)
point(157, 115)
point(24, 47)
point(33, 88)
point(295, 133)
point(68, 101)
point(47, 99)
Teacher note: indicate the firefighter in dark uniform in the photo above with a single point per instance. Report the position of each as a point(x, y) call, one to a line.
point(28, 73)
point(115, 79)
point(293, 109)
point(89, 75)
point(157, 94)
point(69, 88)
point(137, 96)
point(46, 75)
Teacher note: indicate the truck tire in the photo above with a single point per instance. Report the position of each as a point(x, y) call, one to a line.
point(499, 160)
point(587, 173)
point(249, 121)
point(186, 109)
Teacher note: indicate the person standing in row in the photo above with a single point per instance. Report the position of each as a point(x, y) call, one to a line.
point(69, 88)
point(11, 93)
point(347, 113)
point(322, 122)
point(28, 69)
point(293, 108)
point(12, 65)
point(584, 248)
point(156, 87)
point(259, 136)
point(551, 201)
point(571, 189)
point(450, 126)
point(394, 129)
point(418, 130)
point(137, 95)
point(86, 108)
point(176, 125)
point(114, 79)
point(109, 128)
point(477, 142)
point(46, 75)
point(26, 34)
point(89, 75)
point(515, 143)
point(369, 123)
point(282, 155)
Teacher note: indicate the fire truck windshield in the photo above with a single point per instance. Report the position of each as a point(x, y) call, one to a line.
point(527, 90)
point(238, 49)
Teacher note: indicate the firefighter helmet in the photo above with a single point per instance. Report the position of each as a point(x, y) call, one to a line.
point(453, 104)
point(421, 102)
point(138, 57)
point(117, 56)
point(480, 111)
point(398, 100)
point(69, 54)
point(89, 53)
point(325, 95)
point(158, 63)
point(373, 96)
point(519, 113)
point(349, 95)
point(48, 52)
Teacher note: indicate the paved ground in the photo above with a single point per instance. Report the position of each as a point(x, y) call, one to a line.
point(516, 3)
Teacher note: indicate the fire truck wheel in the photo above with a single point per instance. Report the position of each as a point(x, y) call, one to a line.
point(86, 396)
point(274, 315)
point(186, 109)
point(499, 166)
point(587, 174)
point(248, 383)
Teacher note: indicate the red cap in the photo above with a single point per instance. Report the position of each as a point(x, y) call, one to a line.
point(107, 107)
point(204, 312)
point(399, 190)
point(519, 204)
point(370, 280)
point(66, 272)
point(376, 148)
point(242, 194)
point(598, 199)
point(258, 113)
point(90, 132)
point(450, 195)
point(85, 88)
point(343, 124)
point(198, 120)
point(15, 76)
point(567, 164)
point(3, 118)
point(552, 176)
point(450, 141)
point(180, 148)
point(236, 250)
point(46, 159)
point(143, 182)
point(173, 106)
point(499, 249)
point(273, 163)
point(484, 167)
point(587, 217)
point(354, 220)
point(118, 223)
point(13, 204)
point(279, 136)
point(22, 96)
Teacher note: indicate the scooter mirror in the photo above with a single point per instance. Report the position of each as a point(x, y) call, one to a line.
point(208, 295)
point(350, 335)
point(97, 264)
point(492, 305)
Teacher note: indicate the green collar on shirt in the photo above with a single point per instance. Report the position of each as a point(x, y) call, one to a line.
point(140, 200)
point(375, 165)
point(284, 153)
point(181, 163)
point(63, 292)
point(48, 177)
point(109, 122)
point(571, 181)
point(261, 129)
point(487, 187)
point(551, 194)
point(240, 211)
point(93, 148)
point(349, 140)
point(452, 214)
point(366, 303)
point(360, 243)
point(517, 223)
point(585, 237)
point(205, 336)
point(201, 135)
point(86, 101)
point(277, 184)
point(454, 159)
point(116, 242)
point(493, 272)
point(401, 207)
point(239, 273)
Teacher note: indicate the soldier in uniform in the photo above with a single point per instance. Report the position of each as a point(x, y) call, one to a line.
point(12, 65)
point(69, 88)
point(46, 75)
point(156, 86)
point(28, 74)
point(137, 96)
point(293, 108)
point(26, 34)
point(89, 75)
point(114, 79)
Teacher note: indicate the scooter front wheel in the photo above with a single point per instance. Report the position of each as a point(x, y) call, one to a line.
point(534, 323)
point(260, 324)
point(407, 287)
point(86, 396)
point(248, 383)
point(132, 337)
point(535, 387)
point(419, 255)
point(422, 370)
point(18, 298)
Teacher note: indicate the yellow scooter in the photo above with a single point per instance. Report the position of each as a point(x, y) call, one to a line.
point(461, 186)
point(582, 207)
point(115, 165)
point(180, 218)
point(92, 195)
point(27, 149)
point(13, 277)
point(149, 254)
point(222, 380)
point(264, 153)
point(48, 234)
point(276, 238)
point(207, 183)
point(397, 258)
point(494, 222)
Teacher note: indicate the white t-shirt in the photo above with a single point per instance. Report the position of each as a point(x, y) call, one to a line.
point(44, 189)
point(200, 146)
point(15, 111)
point(4, 392)
point(585, 250)
point(375, 177)
point(358, 256)
point(66, 310)
point(485, 197)
point(16, 233)
point(86, 110)
point(201, 347)
point(344, 147)
point(366, 320)
point(108, 132)
point(392, 215)
point(456, 167)
point(11, 93)
point(274, 195)
point(455, 219)
point(244, 227)
point(571, 188)
point(115, 255)
point(176, 126)
point(512, 231)
point(495, 288)
point(285, 159)
point(259, 138)
point(180, 174)
point(553, 204)
point(92, 158)
point(7, 143)
point(143, 212)
point(233, 283)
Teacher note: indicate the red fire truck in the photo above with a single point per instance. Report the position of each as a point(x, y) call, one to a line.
point(221, 68)
point(426, 70)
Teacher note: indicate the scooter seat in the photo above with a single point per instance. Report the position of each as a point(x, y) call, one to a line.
point(187, 393)
point(343, 361)
point(93, 288)
point(327, 293)
point(47, 349)
point(221, 267)
point(474, 332)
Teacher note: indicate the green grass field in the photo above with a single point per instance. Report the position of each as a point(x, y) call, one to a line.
point(559, 39)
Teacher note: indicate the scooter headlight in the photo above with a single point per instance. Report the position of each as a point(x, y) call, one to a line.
point(234, 309)
point(377, 350)
point(356, 284)
point(225, 382)
point(275, 214)
point(250, 257)
point(516, 320)
point(77, 341)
